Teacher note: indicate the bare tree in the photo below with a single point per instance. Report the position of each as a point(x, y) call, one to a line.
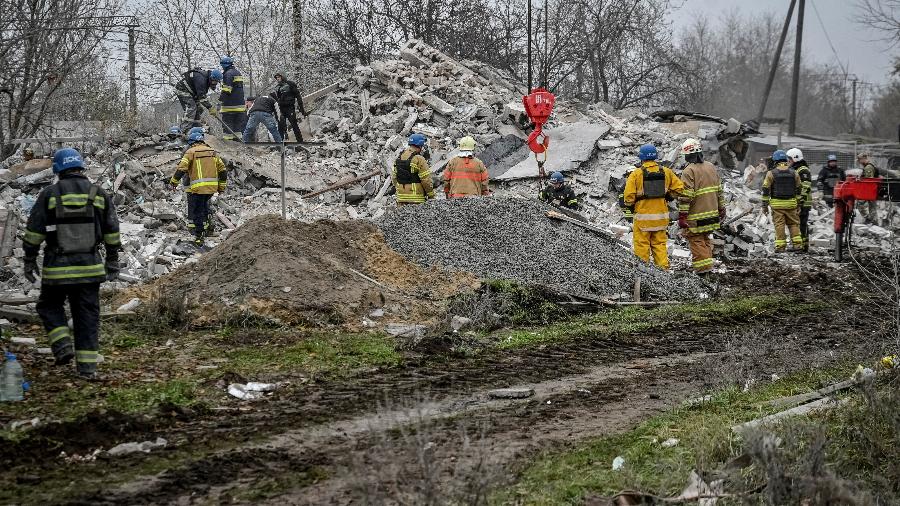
point(883, 16)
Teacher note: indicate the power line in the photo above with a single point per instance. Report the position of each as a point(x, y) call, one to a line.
point(830, 44)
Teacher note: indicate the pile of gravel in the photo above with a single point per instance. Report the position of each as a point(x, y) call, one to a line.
point(508, 238)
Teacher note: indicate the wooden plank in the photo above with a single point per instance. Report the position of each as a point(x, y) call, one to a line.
point(803, 409)
point(559, 216)
point(342, 184)
point(811, 396)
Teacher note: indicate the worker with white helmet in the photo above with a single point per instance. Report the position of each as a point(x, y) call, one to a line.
point(465, 175)
point(701, 205)
point(802, 169)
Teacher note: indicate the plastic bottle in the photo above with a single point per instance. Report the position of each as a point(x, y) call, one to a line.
point(11, 380)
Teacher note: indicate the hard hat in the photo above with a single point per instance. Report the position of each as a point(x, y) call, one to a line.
point(195, 136)
point(795, 154)
point(226, 61)
point(196, 129)
point(647, 152)
point(691, 146)
point(467, 143)
point(862, 154)
point(28, 151)
point(174, 130)
point(215, 75)
point(556, 177)
point(779, 156)
point(65, 159)
point(279, 73)
point(417, 140)
point(832, 158)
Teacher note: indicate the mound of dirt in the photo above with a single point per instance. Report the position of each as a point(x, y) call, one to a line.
point(310, 273)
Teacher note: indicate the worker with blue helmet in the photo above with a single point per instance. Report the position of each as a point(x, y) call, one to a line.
point(782, 192)
point(191, 90)
point(411, 173)
point(558, 193)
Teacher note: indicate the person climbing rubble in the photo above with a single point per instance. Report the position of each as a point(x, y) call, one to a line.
point(289, 99)
point(233, 109)
point(74, 217)
point(701, 205)
point(799, 165)
point(782, 192)
point(830, 175)
point(208, 177)
point(411, 174)
point(558, 193)
point(262, 111)
point(465, 175)
point(191, 91)
point(648, 189)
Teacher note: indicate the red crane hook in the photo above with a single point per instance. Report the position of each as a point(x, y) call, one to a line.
point(538, 107)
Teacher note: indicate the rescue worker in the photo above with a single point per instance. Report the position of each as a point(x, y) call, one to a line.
point(701, 205)
point(191, 91)
point(465, 175)
point(74, 217)
point(558, 193)
point(263, 111)
point(411, 174)
point(799, 165)
point(869, 209)
point(288, 96)
point(208, 227)
point(782, 192)
point(829, 177)
point(647, 189)
point(207, 174)
point(233, 108)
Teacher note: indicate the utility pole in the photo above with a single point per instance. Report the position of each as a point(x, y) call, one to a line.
point(795, 82)
point(132, 78)
point(774, 68)
point(853, 106)
point(530, 82)
point(297, 33)
point(546, 82)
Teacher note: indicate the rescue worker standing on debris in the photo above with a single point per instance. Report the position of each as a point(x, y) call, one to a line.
point(829, 177)
point(799, 165)
point(465, 175)
point(234, 109)
point(701, 205)
point(288, 96)
point(558, 193)
point(191, 91)
point(411, 174)
point(869, 209)
point(207, 173)
point(74, 217)
point(782, 192)
point(647, 189)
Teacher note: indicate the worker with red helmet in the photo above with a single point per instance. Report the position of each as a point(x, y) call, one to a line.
point(701, 205)
point(781, 192)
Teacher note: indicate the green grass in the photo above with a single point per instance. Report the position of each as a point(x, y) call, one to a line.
point(705, 439)
point(141, 398)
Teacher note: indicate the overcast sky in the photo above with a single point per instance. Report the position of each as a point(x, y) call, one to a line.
point(870, 60)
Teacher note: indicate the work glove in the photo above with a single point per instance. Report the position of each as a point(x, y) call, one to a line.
point(722, 214)
point(112, 269)
point(682, 220)
point(32, 271)
point(213, 112)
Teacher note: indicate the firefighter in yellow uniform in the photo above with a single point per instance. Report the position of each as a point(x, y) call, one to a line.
point(701, 205)
point(208, 176)
point(648, 189)
point(411, 175)
point(782, 191)
point(465, 175)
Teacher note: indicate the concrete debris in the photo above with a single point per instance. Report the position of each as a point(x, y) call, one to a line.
point(129, 448)
point(511, 393)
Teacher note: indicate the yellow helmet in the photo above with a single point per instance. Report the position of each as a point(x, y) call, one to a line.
point(467, 143)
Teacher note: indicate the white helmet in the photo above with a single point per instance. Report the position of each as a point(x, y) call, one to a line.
point(691, 146)
point(794, 155)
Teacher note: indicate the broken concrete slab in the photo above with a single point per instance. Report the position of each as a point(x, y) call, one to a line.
point(511, 393)
point(571, 144)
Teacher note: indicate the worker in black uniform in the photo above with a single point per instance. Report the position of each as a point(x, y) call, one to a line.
point(191, 91)
point(288, 96)
point(829, 177)
point(74, 217)
point(558, 193)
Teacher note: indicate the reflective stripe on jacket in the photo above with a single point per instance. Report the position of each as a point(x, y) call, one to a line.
point(767, 190)
point(651, 214)
point(205, 169)
point(465, 177)
point(415, 193)
point(702, 197)
point(803, 171)
point(563, 196)
point(232, 96)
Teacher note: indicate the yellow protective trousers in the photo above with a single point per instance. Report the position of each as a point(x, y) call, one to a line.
point(789, 218)
point(652, 241)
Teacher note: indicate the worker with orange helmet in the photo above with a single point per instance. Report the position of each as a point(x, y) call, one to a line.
point(701, 205)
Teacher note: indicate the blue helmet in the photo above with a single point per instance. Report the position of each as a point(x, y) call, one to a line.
point(226, 62)
point(832, 158)
point(65, 159)
point(556, 177)
point(196, 129)
point(195, 136)
point(647, 152)
point(779, 156)
point(418, 140)
point(216, 74)
point(174, 130)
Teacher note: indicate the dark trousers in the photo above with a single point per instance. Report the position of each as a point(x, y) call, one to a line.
point(198, 211)
point(192, 113)
point(236, 122)
point(191, 204)
point(84, 302)
point(804, 225)
point(288, 113)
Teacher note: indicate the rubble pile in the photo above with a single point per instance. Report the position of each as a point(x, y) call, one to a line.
point(507, 238)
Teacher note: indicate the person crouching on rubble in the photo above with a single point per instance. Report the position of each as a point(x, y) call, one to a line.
point(412, 175)
point(558, 193)
point(648, 189)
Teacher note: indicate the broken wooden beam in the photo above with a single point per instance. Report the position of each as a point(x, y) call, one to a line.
point(811, 396)
point(803, 409)
point(556, 215)
point(341, 184)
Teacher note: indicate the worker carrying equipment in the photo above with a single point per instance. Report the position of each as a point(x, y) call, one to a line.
point(411, 174)
point(233, 109)
point(559, 194)
point(74, 217)
point(647, 189)
point(829, 176)
point(191, 91)
point(781, 192)
point(802, 169)
point(701, 205)
point(207, 176)
point(465, 175)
